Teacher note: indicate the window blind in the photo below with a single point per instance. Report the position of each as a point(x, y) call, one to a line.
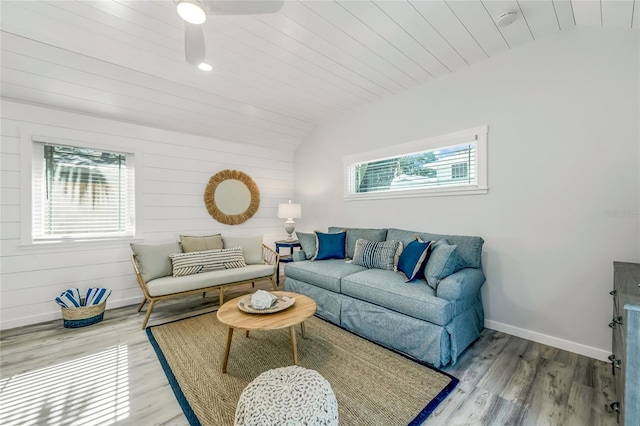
point(81, 193)
point(443, 167)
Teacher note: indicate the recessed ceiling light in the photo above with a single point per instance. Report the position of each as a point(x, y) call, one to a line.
point(205, 67)
point(506, 18)
point(191, 11)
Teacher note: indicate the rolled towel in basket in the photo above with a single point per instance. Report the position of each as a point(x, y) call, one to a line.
point(70, 299)
point(96, 296)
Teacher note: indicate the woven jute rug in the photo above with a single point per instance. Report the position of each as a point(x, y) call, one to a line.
point(373, 385)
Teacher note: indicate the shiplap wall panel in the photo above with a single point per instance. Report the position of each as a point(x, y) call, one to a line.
point(18, 63)
point(169, 108)
point(373, 17)
point(540, 16)
point(52, 56)
point(480, 25)
point(169, 164)
point(587, 12)
point(295, 54)
point(374, 80)
point(9, 179)
point(13, 91)
point(516, 33)
point(417, 27)
point(15, 298)
point(368, 37)
point(443, 20)
point(564, 13)
point(617, 13)
point(336, 35)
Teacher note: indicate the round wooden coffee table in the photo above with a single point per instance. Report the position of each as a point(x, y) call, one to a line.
point(231, 316)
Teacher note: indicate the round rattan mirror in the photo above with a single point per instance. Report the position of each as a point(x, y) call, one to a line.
point(232, 197)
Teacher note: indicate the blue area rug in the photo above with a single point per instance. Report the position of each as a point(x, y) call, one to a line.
point(373, 385)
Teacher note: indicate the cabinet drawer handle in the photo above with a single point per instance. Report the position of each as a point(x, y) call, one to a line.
point(615, 363)
point(614, 407)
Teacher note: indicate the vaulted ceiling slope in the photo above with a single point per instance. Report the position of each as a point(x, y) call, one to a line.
point(275, 76)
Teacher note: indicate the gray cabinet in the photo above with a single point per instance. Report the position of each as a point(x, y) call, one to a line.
point(625, 324)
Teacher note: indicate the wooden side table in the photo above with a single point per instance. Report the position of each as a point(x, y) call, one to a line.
point(291, 245)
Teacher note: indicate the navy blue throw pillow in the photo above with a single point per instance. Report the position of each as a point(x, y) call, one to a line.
point(413, 259)
point(330, 246)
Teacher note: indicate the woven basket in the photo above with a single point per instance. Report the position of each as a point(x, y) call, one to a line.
point(83, 316)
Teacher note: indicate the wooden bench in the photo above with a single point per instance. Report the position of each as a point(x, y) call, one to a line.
point(170, 287)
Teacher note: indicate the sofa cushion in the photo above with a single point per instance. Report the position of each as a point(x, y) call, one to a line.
point(206, 261)
point(444, 260)
point(330, 246)
point(388, 289)
point(469, 248)
point(153, 259)
point(373, 254)
point(322, 273)
point(353, 234)
point(171, 285)
point(413, 259)
point(251, 248)
point(307, 243)
point(200, 243)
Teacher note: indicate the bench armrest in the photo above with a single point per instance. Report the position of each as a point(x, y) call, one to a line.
point(270, 256)
point(463, 284)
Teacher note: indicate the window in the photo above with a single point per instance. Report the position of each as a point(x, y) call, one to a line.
point(81, 193)
point(444, 165)
point(460, 171)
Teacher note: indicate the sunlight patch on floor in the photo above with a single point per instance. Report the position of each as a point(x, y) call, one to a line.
point(85, 391)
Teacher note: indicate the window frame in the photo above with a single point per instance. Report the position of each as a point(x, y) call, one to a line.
point(100, 142)
point(479, 134)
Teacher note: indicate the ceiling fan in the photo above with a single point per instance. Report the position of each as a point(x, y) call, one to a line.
point(194, 13)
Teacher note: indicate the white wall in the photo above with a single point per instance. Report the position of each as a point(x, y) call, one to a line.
point(563, 153)
point(173, 169)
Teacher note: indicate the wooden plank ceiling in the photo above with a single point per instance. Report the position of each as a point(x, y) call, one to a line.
point(275, 76)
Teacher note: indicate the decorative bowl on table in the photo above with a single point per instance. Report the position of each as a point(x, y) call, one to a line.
point(281, 303)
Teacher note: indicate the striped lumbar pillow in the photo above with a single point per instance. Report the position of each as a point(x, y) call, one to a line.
point(206, 261)
point(380, 255)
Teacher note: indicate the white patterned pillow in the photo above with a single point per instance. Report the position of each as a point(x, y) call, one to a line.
point(380, 255)
point(206, 261)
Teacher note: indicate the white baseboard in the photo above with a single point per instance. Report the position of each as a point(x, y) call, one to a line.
point(545, 339)
point(56, 315)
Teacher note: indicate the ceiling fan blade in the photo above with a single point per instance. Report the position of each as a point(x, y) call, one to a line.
point(194, 44)
point(242, 7)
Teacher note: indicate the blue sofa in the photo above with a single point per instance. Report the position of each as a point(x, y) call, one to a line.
point(431, 323)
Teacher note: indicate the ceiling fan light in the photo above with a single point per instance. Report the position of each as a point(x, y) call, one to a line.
point(191, 11)
point(205, 67)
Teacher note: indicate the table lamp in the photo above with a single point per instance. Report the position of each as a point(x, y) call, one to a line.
point(289, 211)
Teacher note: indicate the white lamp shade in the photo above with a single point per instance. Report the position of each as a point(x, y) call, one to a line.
point(289, 210)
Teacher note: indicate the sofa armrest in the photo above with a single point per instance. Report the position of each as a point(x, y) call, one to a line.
point(462, 284)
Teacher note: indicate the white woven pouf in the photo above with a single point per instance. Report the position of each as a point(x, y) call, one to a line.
point(287, 396)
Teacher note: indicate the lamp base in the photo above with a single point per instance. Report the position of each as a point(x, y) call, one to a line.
point(289, 227)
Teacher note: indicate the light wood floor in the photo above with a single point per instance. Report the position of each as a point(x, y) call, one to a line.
point(49, 372)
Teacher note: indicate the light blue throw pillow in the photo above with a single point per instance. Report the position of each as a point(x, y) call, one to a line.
point(330, 246)
point(307, 243)
point(413, 259)
point(444, 260)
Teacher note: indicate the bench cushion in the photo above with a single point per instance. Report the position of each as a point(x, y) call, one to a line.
point(169, 285)
point(153, 259)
